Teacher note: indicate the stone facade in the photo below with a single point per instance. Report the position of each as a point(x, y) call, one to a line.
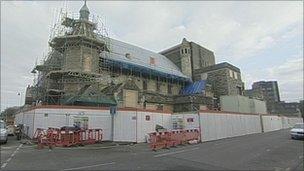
point(200, 57)
point(185, 55)
point(78, 71)
point(192, 103)
point(224, 78)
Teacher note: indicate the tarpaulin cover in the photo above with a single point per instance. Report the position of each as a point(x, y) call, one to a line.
point(194, 88)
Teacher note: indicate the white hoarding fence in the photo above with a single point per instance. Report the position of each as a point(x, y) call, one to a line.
point(134, 125)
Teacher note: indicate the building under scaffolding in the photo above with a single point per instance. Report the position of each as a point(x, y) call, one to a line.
point(86, 67)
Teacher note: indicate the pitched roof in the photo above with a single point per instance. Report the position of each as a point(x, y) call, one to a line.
point(131, 54)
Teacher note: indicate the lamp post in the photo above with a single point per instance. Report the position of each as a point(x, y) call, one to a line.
point(20, 100)
point(198, 114)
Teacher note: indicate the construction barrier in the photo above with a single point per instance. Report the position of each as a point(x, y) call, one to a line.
point(167, 139)
point(54, 137)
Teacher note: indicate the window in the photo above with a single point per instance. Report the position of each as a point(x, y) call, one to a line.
point(235, 75)
point(201, 63)
point(145, 85)
point(231, 73)
point(152, 61)
point(182, 51)
point(46, 115)
point(190, 120)
point(185, 50)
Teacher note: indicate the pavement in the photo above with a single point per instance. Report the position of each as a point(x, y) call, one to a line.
point(265, 151)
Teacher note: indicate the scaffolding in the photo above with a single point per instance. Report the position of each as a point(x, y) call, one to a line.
point(57, 71)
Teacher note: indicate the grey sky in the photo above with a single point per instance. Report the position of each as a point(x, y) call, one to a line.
point(264, 39)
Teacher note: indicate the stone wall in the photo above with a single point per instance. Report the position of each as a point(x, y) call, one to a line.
point(201, 57)
point(184, 103)
point(81, 59)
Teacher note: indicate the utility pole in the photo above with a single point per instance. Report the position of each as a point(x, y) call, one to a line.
point(20, 100)
point(199, 117)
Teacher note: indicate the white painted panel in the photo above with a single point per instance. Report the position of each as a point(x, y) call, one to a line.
point(125, 126)
point(217, 126)
point(205, 128)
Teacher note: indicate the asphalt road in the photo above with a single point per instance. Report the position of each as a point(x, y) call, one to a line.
point(266, 151)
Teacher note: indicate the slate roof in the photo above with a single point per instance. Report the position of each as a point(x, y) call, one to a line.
point(130, 54)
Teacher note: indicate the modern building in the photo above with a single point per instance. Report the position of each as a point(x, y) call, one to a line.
point(268, 91)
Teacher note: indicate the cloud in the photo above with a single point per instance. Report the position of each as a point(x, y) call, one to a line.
point(290, 78)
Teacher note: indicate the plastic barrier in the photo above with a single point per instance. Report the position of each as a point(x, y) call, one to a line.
point(167, 139)
point(158, 140)
point(66, 138)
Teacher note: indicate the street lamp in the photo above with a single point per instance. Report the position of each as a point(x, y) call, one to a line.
point(198, 114)
point(20, 100)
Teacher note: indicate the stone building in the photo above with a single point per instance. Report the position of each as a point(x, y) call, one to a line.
point(88, 68)
point(224, 78)
point(189, 57)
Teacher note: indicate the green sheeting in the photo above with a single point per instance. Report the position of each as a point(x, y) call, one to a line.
point(89, 100)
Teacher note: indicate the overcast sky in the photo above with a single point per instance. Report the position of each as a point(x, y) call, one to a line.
point(263, 39)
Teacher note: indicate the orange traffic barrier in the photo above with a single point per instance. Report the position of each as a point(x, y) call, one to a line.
point(66, 138)
point(159, 140)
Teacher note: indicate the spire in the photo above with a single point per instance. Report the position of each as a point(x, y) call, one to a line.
point(184, 40)
point(84, 12)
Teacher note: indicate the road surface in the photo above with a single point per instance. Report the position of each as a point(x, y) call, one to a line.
point(264, 151)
